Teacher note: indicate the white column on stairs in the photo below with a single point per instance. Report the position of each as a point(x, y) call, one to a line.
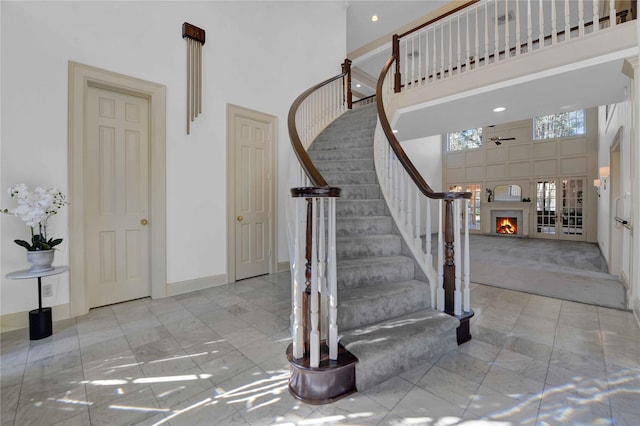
point(467, 291)
point(457, 295)
point(298, 279)
point(314, 335)
point(332, 282)
point(440, 292)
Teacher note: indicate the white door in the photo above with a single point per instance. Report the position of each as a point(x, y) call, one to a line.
point(253, 232)
point(116, 197)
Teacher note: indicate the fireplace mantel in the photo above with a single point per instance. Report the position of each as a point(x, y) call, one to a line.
point(489, 208)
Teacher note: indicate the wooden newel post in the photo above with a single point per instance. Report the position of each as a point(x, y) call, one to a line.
point(449, 273)
point(346, 69)
point(396, 55)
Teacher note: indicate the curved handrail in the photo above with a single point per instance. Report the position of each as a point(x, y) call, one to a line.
point(307, 165)
point(411, 170)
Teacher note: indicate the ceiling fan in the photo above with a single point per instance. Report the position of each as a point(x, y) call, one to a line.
point(498, 140)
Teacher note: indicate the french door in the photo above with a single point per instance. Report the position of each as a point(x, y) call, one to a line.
point(560, 208)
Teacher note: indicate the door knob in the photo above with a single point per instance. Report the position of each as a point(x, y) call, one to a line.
point(143, 222)
point(239, 218)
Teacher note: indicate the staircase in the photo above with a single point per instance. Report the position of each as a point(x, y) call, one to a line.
point(384, 314)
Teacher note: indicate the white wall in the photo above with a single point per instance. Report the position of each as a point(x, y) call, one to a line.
point(258, 55)
point(620, 126)
point(426, 156)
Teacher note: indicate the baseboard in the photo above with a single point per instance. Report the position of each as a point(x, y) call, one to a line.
point(283, 266)
point(173, 289)
point(20, 320)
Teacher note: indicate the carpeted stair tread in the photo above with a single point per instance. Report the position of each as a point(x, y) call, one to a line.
point(375, 303)
point(360, 191)
point(342, 154)
point(370, 225)
point(344, 208)
point(339, 178)
point(328, 145)
point(350, 165)
point(363, 246)
point(374, 270)
point(387, 348)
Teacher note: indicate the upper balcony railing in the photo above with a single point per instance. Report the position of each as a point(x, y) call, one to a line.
point(480, 33)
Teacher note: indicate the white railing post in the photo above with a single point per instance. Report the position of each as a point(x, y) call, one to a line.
point(486, 33)
point(567, 19)
point(507, 48)
point(580, 18)
point(496, 35)
point(554, 23)
point(518, 28)
point(440, 291)
point(540, 24)
point(298, 283)
point(467, 266)
point(332, 282)
point(529, 29)
point(314, 335)
point(596, 16)
point(612, 13)
point(322, 269)
point(457, 294)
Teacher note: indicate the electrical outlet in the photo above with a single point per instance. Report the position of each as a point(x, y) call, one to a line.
point(47, 290)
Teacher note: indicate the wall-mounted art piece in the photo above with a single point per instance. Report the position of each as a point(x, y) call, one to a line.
point(195, 38)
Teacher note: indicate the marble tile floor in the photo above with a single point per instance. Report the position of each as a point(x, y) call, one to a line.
point(216, 357)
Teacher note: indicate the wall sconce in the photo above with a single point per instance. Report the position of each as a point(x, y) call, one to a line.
point(596, 184)
point(604, 175)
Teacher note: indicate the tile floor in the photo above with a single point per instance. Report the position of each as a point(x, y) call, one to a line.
point(216, 357)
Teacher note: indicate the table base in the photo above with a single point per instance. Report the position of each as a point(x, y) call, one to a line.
point(40, 324)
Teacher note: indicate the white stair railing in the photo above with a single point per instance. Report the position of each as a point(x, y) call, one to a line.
point(413, 210)
point(311, 223)
point(491, 31)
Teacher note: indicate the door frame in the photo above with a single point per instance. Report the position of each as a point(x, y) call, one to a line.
point(234, 111)
point(81, 77)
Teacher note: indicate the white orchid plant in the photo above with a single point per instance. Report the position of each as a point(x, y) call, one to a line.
point(35, 208)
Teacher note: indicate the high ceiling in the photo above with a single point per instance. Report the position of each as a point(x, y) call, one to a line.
point(587, 87)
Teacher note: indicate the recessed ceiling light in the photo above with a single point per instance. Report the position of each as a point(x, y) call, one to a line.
point(374, 18)
point(358, 85)
point(499, 109)
point(395, 131)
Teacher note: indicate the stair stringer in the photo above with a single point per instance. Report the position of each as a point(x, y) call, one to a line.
point(422, 260)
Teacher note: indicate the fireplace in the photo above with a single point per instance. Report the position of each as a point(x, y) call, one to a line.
point(507, 225)
point(509, 221)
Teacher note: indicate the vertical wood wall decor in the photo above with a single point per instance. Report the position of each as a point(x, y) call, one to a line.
point(195, 41)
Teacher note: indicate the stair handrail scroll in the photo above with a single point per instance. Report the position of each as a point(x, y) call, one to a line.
point(312, 223)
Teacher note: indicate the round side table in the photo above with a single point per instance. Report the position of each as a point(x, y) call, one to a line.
point(40, 324)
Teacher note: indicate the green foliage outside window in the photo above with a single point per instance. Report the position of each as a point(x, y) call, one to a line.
point(464, 139)
point(559, 125)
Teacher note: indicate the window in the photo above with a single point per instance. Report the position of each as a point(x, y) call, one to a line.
point(559, 125)
point(464, 139)
point(474, 204)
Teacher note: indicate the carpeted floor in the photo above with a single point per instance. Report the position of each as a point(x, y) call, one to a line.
point(565, 270)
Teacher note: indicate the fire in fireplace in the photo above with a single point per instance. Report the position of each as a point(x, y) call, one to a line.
point(507, 225)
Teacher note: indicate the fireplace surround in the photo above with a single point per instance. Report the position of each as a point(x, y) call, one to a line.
point(519, 212)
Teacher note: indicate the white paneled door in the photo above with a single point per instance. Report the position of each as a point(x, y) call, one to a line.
point(253, 232)
point(116, 197)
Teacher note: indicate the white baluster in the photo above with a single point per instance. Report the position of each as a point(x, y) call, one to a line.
point(322, 270)
point(529, 28)
point(440, 291)
point(450, 48)
point(314, 335)
point(458, 57)
point(567, 18)
point(518, 28)
point(580, 18)
point(467, 290)
point(434, 52)
point(486, 33)
point(420, 56)
point(541, 24)
point(441, 50)
point(596, 17)
point(428, 227)
point(332, 283)
point(417, 241)
point(496, 35)
point(406, 63)
point(507, 48)
point(554, 23)
point(298, 282)
point(410, 210)
point(467, 61)
point(426, 56)
point(413, 62)
point(612, 13)
point(457, 294)
point(476, 53)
